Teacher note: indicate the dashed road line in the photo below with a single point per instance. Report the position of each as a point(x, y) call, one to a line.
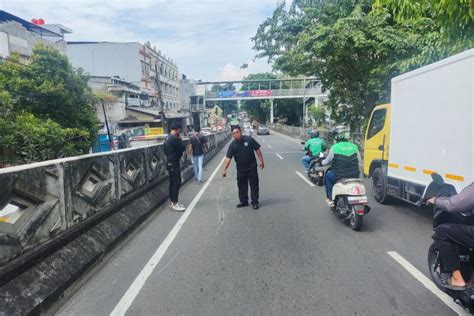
point(304, 178)
point(427, 283)
point(269, 146)
point(279, 156)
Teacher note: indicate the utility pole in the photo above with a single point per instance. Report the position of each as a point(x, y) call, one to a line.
point(111, 141)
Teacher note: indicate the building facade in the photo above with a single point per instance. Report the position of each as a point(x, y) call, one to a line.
point(192, 100)
point(20, 36)
point(140, 64)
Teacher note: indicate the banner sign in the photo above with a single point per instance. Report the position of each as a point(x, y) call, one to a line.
point(251, 93)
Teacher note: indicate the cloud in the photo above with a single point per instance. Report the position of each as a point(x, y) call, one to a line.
point(231, 72)
point(206, 38)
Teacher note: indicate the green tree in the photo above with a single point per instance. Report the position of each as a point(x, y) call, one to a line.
point(50, 88)
point(447, 26)
point(45, 109)
point(354, 56)
point(318, 114)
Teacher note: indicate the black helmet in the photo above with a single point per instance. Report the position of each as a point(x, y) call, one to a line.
point(340, 138)
point(314, 133)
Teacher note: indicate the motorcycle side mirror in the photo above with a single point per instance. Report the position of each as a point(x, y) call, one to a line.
point(437, 178)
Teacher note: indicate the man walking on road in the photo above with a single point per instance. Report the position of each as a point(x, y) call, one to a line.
point(197, 147)
point(174, 148)
point(242, 150)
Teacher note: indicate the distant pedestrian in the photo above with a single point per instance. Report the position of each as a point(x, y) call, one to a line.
point(174, 148)
point(197, 148)
point(122, 141)
point(242, 150)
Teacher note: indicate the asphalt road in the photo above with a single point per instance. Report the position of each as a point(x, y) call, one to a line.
point(292, 256)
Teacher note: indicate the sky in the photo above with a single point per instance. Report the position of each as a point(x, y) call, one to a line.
point(208, 39)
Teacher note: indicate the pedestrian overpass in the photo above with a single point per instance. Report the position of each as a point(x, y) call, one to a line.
point(265, 89)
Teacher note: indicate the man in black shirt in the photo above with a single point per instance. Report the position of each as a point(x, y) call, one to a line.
point(242, 150)
point(174, 148)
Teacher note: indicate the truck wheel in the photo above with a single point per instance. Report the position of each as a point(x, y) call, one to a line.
point(379, 186)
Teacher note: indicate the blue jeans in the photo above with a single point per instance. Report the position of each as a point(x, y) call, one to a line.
point(197, 164)
point(330, 180)
point(306, 160)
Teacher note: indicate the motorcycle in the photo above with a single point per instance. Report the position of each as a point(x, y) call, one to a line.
point(465, 297)
point(350, 201)
point(315, 176)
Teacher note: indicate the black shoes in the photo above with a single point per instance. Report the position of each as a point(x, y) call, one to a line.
point(255, 206)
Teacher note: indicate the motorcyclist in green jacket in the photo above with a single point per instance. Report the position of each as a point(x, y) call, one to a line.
point(344, 158)
point(314, 146)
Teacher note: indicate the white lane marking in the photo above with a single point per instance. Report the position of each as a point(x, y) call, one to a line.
point(304, 178)
point(269, 146)
point(129, 296)
point(427, 283)
point(263, 140)
point(279, 156)
point(289, 138)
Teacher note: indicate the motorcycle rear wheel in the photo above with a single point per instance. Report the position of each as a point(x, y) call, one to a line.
point(356, 221)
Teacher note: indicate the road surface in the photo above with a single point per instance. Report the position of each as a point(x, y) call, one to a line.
point(292, 256)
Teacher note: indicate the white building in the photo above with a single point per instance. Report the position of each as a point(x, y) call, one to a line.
point(125, 94)
point(136, 63)
point(192, 100)
point(20, 36)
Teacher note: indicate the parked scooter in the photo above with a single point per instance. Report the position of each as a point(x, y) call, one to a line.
point(438, 188)
point(350, 201)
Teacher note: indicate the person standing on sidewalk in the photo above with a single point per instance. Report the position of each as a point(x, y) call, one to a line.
point(242, 150)
point(174, 148)
point(197, 147)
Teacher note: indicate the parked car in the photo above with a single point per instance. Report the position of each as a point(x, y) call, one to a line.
point(263, 130)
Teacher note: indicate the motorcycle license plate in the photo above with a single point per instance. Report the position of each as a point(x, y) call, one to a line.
point(357, 199)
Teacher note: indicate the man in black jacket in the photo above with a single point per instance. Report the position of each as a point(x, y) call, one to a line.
point(451, 235)
point(242, 150)
point(174, 148)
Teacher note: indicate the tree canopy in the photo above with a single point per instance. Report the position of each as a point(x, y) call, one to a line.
point(45, 108)
point(354, 47)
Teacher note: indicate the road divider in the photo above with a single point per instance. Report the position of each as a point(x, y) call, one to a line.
point(304, 178)
point(427, 283)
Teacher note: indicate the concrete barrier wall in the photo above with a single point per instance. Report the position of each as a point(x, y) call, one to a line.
point(65, 215)
point(44, 200)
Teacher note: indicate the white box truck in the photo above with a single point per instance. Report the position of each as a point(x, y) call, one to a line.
point(427, 128)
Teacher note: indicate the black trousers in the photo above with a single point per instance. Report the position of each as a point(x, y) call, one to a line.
point(450, 235)
point(175, 182)
point(244, 179)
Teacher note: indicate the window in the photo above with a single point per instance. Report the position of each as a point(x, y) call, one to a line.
point(377, 122)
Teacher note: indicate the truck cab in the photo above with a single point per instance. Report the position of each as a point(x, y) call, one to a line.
point(377, 139)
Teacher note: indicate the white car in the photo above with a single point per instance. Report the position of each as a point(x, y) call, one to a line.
point(206, 131)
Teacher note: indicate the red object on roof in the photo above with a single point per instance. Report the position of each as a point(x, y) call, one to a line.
point(34, 21)
point(40, 22)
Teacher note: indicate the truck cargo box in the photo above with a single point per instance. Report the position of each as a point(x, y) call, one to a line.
point(432, 122)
